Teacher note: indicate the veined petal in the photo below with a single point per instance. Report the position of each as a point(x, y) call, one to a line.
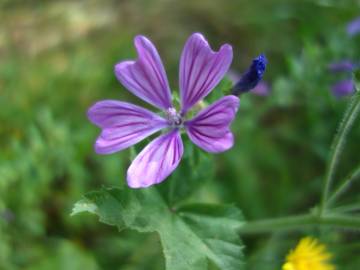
point(156, 161)
point(145, 77)
point(123, 124)
point(201, 69)
point(210, 128)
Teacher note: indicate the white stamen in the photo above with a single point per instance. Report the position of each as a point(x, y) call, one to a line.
point(174, 117)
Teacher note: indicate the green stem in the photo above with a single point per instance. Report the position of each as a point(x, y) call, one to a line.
point(299, 222)
point(344, 186)
point(338, 145)
point(346, 208)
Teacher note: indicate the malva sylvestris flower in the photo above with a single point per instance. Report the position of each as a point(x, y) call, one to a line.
point(309, 254)
point(124, 124)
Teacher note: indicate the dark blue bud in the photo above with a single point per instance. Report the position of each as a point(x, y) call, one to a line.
point(251, 77)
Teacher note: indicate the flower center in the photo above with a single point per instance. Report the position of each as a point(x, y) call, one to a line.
point(174, 117)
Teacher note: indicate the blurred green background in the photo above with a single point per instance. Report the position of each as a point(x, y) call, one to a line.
point(57, 58)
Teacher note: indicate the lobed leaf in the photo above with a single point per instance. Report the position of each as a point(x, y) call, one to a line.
point(192, 235)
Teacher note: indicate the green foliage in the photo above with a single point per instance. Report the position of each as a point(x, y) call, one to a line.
point(57, 59)
point(190, 235)
point(63, 258)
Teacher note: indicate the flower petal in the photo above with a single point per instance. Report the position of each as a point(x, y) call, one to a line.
point(210, 128)
point(342, 66)
point(145, 77)
point(343, 88)
point(201, 69)
point(353, 27)
point(123, 124)
point(156, 161)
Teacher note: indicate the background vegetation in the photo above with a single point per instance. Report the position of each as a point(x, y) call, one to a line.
point(57, 59)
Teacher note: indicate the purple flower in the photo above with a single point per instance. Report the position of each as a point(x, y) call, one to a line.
point(342, 66)
point(124, 124)
point(353, 27)
point(343, 88)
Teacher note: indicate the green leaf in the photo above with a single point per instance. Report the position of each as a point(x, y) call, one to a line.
point(193, 236)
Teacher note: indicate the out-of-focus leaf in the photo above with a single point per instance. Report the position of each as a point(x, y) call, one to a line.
point(67, 256)
point(191, 236)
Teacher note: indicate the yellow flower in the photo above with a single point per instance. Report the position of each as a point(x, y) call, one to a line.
point(309, 254)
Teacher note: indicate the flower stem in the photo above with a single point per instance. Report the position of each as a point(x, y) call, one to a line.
point(337, 147)
point(344, 186)
point(299, 222)
point(346, 208)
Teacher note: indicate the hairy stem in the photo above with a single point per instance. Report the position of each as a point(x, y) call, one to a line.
point(337, 147)
point(300, 222)
point(346, 208)
point(344, 186)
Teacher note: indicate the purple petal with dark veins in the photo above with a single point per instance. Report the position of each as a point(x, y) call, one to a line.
point(123, 124)
point(201, 69)
point(145, 77)
point(210, 128)
point(156, 161)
